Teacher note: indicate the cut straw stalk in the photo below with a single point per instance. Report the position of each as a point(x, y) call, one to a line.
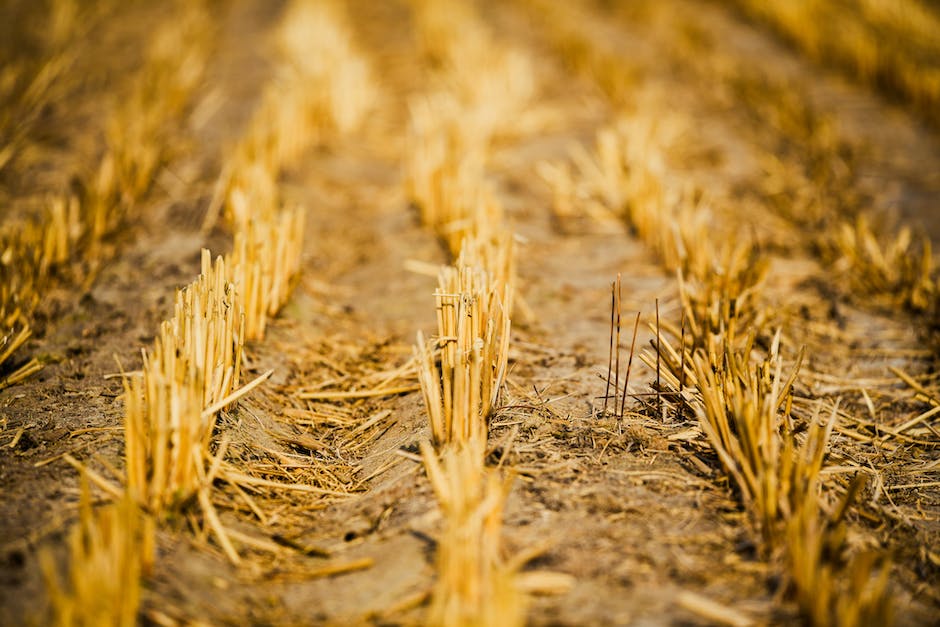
point(194, 368)
point(326, 84)
point(136, 137)
point(745, 411)
point(886, 43)
point(444, 177)
point(741, 415)
point(264, 265)
point(474, 585)
point(473, 336)
point(72, 228)
point(171, 409)
point(613, 361)
point(739, 409)
point(450, 132)
point(871, 262)
point(109, 549)
point(194, 364)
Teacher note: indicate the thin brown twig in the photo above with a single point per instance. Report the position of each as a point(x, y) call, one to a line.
point(626, 382)
point(617, 371)
point(610, 355)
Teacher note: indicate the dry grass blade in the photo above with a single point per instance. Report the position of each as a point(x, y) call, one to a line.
point(23, 371)
point(713, 611)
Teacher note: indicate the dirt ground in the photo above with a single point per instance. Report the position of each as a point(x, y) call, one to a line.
point(636, 509)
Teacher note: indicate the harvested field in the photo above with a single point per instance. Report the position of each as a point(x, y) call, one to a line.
point(464, 312)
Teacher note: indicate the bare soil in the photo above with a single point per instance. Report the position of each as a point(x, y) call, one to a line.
point(629, 507)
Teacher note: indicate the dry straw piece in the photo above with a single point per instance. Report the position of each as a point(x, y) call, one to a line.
point(15, 335)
